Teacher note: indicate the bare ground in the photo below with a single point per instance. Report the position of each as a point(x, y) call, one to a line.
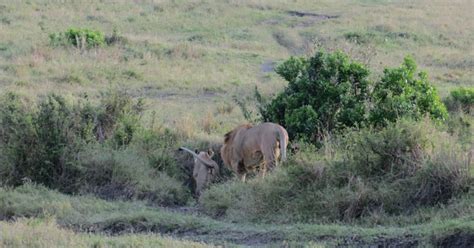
point(232, 234)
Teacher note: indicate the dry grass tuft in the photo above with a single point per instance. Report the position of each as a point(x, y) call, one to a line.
point(185, 127)
point(209, 123)
point(186, 50)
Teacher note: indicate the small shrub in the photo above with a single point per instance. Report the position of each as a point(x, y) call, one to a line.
point(159, 148)
point(360, 37)
point(131, 74)
point(392, 152)
point(125, 129)
point(443, 176)
point(462, 126)
point(78, 37)
point(186, 50)
point(401, 94)
point(115, 38)
point(461, 99)
point(118, 117)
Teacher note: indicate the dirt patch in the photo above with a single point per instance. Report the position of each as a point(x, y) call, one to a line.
point(312, 15)
point(308, 18)
point(253, 239)
point(268, 66)
point(305, 19)
point(152, 92)
point(121, 227)
point(140, 225)
point(273, 21)
point(111, 191)
point(172, 94)
point(400, 242)
point(288, 40)
point(185, 210)
point(406, 241)
point(227, 236)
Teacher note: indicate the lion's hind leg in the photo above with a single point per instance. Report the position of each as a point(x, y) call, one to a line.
point(269, 161)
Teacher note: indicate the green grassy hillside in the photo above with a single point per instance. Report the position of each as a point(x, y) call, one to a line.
point(188, 57)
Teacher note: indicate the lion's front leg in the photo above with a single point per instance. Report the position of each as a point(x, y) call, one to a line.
point(240, 170)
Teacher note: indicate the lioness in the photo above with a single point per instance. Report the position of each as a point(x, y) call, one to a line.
point(205, 169)
point(248, 147)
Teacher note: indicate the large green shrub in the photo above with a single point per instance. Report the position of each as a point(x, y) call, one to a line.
point(46, 142)
point(402, 92)
point(325, 92)
point(17, 138)
point(328, 92)
point(40, 143)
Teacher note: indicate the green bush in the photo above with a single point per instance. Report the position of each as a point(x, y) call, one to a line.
point(18, 138)
point(325, 92)
point(115, 38)
point(78, 37)
point(462, 126)
point(40, 143)
point(390, 152)
point(461, 99)
point(392, 172)
point(159, 148)
point(81, 147)
point(401, 94)
point(126, 174)
point(118, 117)
point(328, 92)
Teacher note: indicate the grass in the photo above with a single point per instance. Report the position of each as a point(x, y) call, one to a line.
point(399, 176)
point(177, 50)
point(84, 213)
point(46, 233)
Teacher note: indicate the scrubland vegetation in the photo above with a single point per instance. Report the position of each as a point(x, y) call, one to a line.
point(96, 98)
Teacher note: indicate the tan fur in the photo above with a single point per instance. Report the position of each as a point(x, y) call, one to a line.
point(246, 148)
point(204, 170)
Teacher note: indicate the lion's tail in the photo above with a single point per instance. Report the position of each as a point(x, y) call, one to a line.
point(283, 138)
